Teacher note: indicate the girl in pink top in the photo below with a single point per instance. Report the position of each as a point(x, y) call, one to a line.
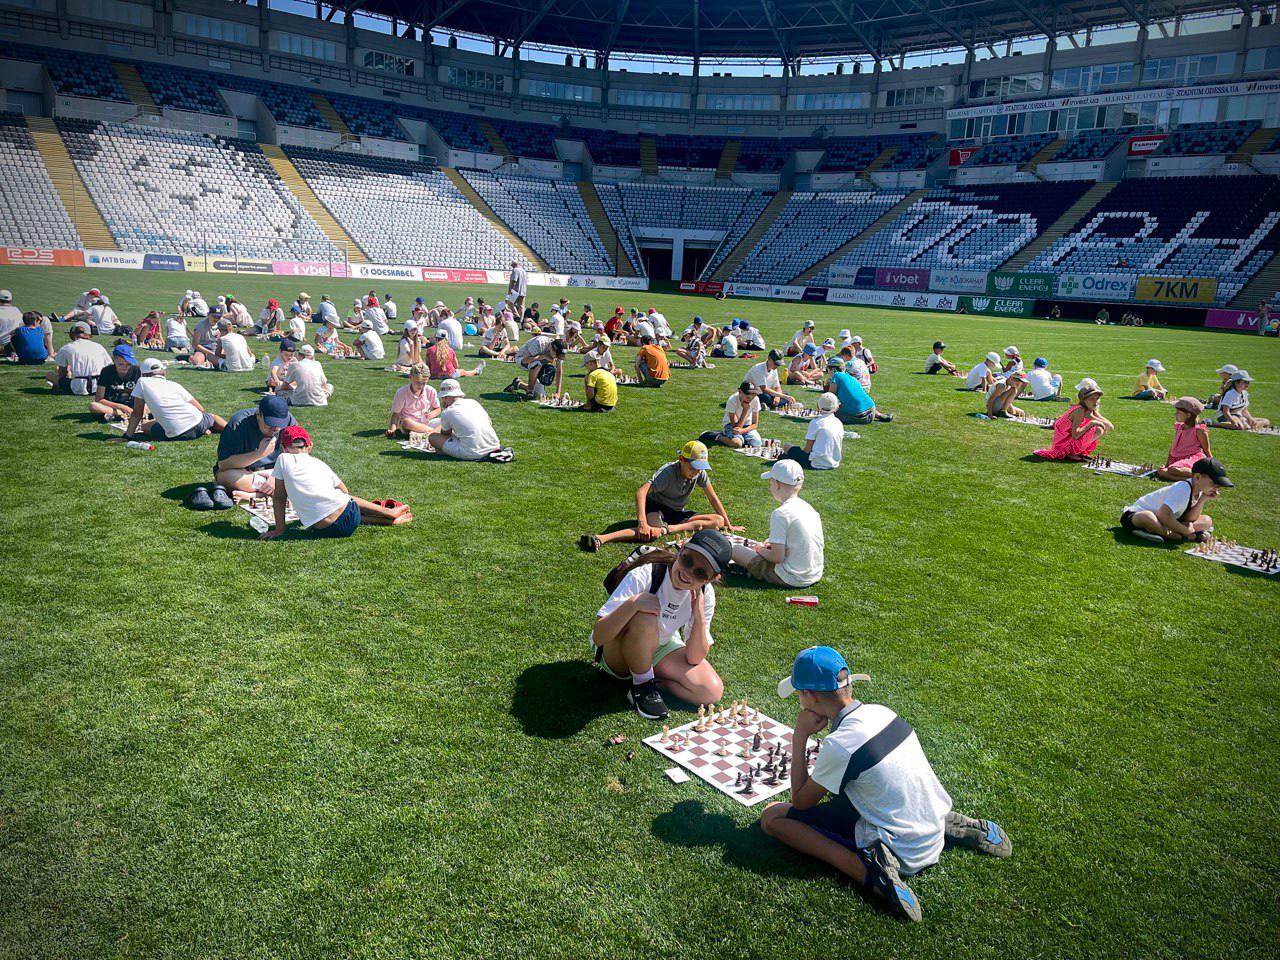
point(1190, 440)
point(1077, 432)
point(443, 362)
point(416, 408)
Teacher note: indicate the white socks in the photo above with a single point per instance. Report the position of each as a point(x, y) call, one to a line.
point(639, 678)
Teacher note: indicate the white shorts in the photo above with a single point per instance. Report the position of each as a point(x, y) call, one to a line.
point(453, 448)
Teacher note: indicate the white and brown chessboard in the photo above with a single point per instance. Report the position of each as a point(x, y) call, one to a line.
point(1234, 555)
point(797, 411)
point(747, 758)
point(1032, 421)
point(1119, 467)
point(691, 366)
point(262, 513)
point(769, 450)
point(562, 402)
point(1266, 431)
point(418, 442)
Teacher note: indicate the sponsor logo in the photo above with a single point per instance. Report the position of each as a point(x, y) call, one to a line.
point(163, 261)
point(903, 278)
point(958, 281)
point(981, 303)
point(1023, 284)
point(1177, 289)
point(814, 294)
point(1231, 320)
point(34, 257)
point(241, 266)
point(376, 271)
point(959, 155)
point(447, 275)
point(1145, 145)
point(1001, 306)
point(1108, 286)
point(1002, 283)
point(113, 259)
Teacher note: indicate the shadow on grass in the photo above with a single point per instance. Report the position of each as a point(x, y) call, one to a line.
point(43, 392)
point(504, 397)
point(690, 824)
point(80, 417)
point(557, 700)
point(99, 435)
point(227, 530)
point(1124, 537)
point(370, 433)
point(182, 493)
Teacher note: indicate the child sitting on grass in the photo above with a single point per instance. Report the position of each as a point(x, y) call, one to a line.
point(1190, 440)
point(1176, 513)
point(1002, 394)
point(1149, 387)
point(1076, 433)
point(416, 407)
point(1233, 408)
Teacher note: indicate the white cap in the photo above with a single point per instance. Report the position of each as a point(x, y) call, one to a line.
point(1155, 365)
point(828, 402)
point(333, 322)
point(366, 325)
point(1088, 385)
point(1010, 351)
point(785, 471)
point(846, 335)
point(410, 326)
point(1227, 368)
point(451, 388)
point(191, 293)
point(993, 357)
point(306, 350)
point(1241, 375)
point(151, 366)
point(807, 323)
point(856, 340)
point(6, 296)
point(439, 303)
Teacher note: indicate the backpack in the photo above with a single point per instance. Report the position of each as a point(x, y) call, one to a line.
point(636, 558)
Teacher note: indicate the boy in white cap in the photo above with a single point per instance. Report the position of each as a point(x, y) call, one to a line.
point(860, 352)
point(452, 329)
point(793, 556)
point(177, 414)
point(466, 432)
point(305, 383)
point(983, 375)
point(823, 439)
point(889, 817)
point(1226, 372)
point(802, 336)
point(1233, 408)
point(368, 344)
point(1149, 387)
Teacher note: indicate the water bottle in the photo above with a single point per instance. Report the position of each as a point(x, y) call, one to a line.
point(140, 445)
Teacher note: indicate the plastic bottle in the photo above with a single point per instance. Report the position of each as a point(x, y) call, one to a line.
point(140, 445)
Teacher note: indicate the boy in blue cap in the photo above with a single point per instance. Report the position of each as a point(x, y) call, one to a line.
point(249, 446)
point(113, 399)
point(890, 817)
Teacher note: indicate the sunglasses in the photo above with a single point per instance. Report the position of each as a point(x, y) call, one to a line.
point(694, 567)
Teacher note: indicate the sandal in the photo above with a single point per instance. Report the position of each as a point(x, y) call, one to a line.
point(589, 542)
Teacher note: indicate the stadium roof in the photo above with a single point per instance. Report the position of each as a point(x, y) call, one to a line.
point(785, 29)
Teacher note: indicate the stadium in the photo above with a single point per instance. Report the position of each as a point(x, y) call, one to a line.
point(230, 729)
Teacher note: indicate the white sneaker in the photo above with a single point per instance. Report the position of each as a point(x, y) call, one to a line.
point(480, 366)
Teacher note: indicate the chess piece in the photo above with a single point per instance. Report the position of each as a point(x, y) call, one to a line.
point(666, 733)
point(755, 742)
point(737, 782)
point(723, 751)
point(702, 718)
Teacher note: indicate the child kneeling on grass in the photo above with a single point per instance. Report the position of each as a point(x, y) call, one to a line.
point(323, 504)
point(655, 628)
point(1176, 512)
point(1076, 433)
point(890, 817)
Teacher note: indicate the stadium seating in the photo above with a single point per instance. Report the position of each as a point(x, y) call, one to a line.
point(400, 211)
point(1205, 139)
point(809, 228)
point(769, 156)
point(969, 228)
point(72, 74)
point(1006, 150)
point(458, 130)
point(288, 105)
point(367, 118)
point(1273, 146)
point(550, 216)
point(532, 140)
point(1221, 227)
point(916, 152)
point(191, 90)
point(691, 153)
point(31, 214)
point(853, 154)
point(171, 191)
point(1089, 145)
point(607, 147)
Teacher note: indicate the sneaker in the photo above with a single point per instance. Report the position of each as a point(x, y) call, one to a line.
point(515, 386)
point(647, 700)
point(220, 498)
point(985, 836)
point(480, 366)
point(200, 500)
point(886, 886)
point(503, 455)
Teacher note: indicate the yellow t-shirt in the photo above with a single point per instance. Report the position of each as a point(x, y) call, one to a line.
point(605, 386)
point(1148, 381)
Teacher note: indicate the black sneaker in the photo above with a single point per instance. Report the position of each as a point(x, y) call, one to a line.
point(647, 700)
point(709, 436)
point(886, 886)
point(985, 836)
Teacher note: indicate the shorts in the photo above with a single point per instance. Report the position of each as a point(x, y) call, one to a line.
point(647, 379)
point(766, 571)
point(1126, 521)
point(669, 515)
point(453, 448)
point(751, 438)
point(664, 649)
point(933, 370)
point(194, 433)
point(592, 407)
point(177, 343)
point(865, 417)
point(344, 526)
point(837, 819)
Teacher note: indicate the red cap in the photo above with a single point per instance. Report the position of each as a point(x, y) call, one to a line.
point(95, 292)
point(651, 309)
point(273, 303)
point(291, 435)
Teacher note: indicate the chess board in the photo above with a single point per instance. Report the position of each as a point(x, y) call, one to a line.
point(1267, 431)
point(1033, 421)
point(771, 450)
point(564, 403)
point(696, 752)
point(797, 412)
point(625, 381)
point(262, 513)
point(417, 442)
point(690, 366)
point(1233, 555)
point(1120, 468)
point(735, 539)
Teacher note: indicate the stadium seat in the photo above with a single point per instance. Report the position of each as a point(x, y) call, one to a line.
point(31, 213)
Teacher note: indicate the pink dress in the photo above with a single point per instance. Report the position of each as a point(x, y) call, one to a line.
point(1186, 449)
point(1064, 445)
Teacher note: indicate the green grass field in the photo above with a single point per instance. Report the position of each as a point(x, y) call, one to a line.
point(395, 745)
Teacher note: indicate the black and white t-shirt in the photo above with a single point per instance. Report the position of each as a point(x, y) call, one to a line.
point(118, 389)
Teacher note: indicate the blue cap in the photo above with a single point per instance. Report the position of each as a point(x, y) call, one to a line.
point(728, 329)
point(810, 349)
point(124, 350)
point(1041, 362)
point(818, 669)
point(736, 321)
point(275, 411)
point(287, 344)
point(697, 319)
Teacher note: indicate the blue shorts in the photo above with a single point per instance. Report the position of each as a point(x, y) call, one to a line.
point(751, 438)
point(345, 525)
point(195, 433)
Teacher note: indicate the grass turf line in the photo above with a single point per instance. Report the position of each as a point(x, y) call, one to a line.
point(393, 745)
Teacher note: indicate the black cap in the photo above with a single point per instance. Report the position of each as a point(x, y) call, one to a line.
point(713, 545)
point(939, 345)
point(1212, 468)
point(776, 356)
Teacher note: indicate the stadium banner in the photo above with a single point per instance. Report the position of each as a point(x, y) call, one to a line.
point(1245, 321)
point(451, 275)
point(193, 264)
point(1196, 290)
point(861, 277)
point(1003, 283)
point(1000, 306)
point(308, 268)
point(902, 278)
point(238, 266)
point(1242, 88)
point(386, 271)
point(774, 292)
point(814, 295)
point(39, 257)
point(174, 262)
point(958, 281)
point(1100, 286)
point(890, 298)
point(959, 155)
point(608, 283)
point(1145, 145)
point(113, 259)
point(701, 286)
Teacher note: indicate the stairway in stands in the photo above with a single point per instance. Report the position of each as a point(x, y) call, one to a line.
point(486, 211)
point(1065, 224)
point(71, 189)
point(311, 203)
point(1259, 140)
point(752, 236)
point(648, 155)
point(883, 157)
point(134, 86)
point(885, 219)
point(335, 122)
point(496, 143)
point(1264, 285)
point(604, 228)
point(728, 159)
point(1044, 155)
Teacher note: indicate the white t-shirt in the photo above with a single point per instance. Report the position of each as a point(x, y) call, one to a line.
point(753, 339)
point(379, 319)
point(104, 318)
point(493, 336)
point(729, 345)
point(899, 799)
point(82, 358)
point(176, 327)
point(827, 434)
point(513, 331)
point(645, 329)
point(660, 326)
point(268, 317)
point(734, 407)
point(311, 486)
point(452, 330)
point(1041, 382)
point(327, 311)
point(1234, 400)
point(370, 346)
point(236, 353)
point(538, 346)
point(402, 353)
point(297, 329)
point(977, 376)
point(278, 367)
point(676, 606)
point(198, 306)
point(309, 376)
point(759, 376)
point(390, 309)
point(239, 315)
point(797, 526)
point(169, 402)
point(934, 362)
point(1177, 496)
point(470, 424)
point(556, 322)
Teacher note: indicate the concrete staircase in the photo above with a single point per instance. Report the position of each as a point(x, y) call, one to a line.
point(1064, 225)
point(604, 229)
point(134, 86)
point(883, 157)
point(496, 143)
point(335, 122)
point(486, 211)
point(1044, 155)
point(648, 155)
point(885, 219)
point(71, 189)
point(312, 204)
point(728, 159)
point(752, 236)
point(1264, 285)
point(1258, 140)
